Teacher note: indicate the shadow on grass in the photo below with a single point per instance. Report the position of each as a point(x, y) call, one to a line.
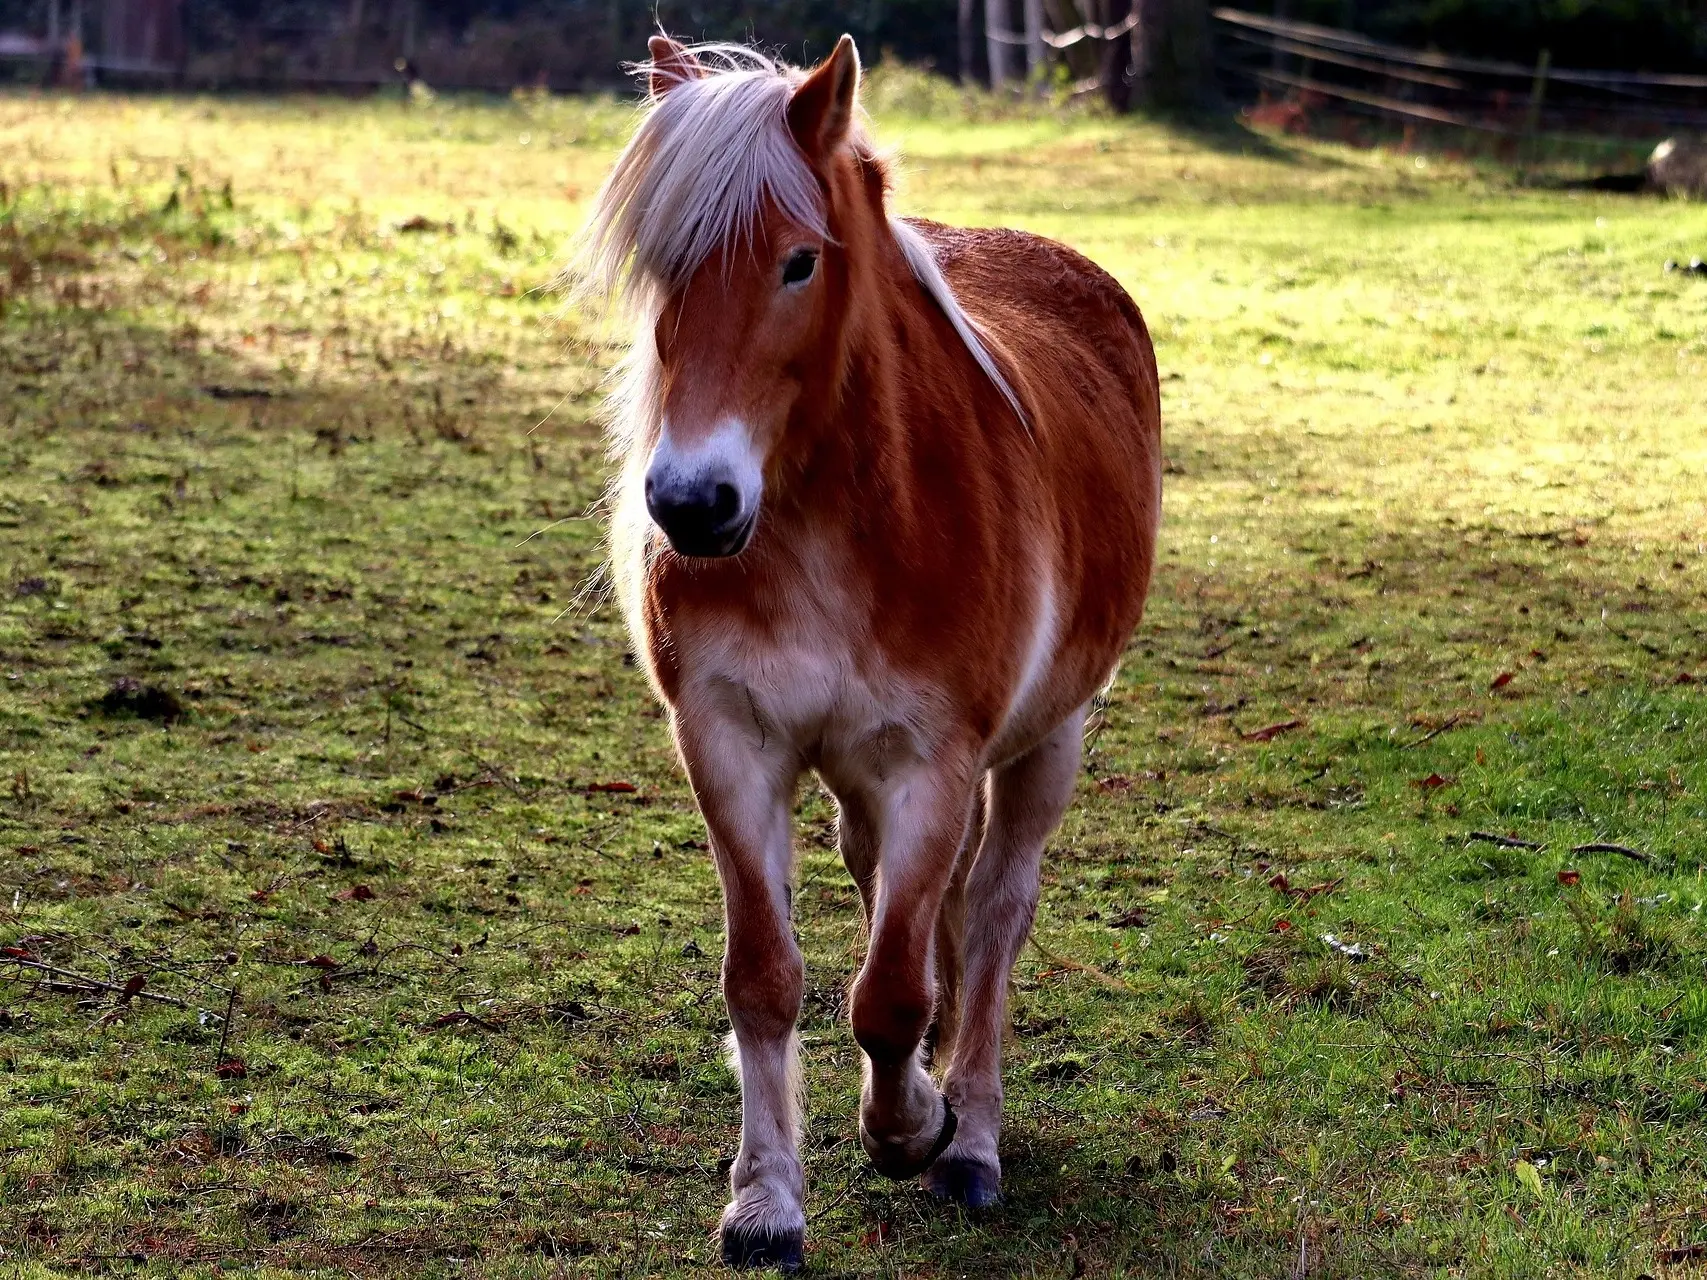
point(1227, 133)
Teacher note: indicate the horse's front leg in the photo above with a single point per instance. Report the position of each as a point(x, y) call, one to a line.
point(743, 782)
point(904, 1121)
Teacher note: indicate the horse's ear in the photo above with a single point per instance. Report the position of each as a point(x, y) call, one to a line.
point(672, 64)
point(821, 111)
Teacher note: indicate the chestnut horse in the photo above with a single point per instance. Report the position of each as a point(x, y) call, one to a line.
point(887, 511)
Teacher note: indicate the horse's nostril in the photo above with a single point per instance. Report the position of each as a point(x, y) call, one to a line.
point(725, 502)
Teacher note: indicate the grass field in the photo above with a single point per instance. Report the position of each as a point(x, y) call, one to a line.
point(355, 919)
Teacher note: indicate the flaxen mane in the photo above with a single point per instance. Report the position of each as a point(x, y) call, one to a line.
point(701, 165)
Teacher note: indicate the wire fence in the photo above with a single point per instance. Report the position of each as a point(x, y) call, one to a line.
point(1259, 55)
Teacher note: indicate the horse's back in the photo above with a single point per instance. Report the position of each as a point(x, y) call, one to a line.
point(1075, 337)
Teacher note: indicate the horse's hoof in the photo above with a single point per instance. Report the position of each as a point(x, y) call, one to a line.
point(746, 1249)
point(891, 1159)
point(969, 1182)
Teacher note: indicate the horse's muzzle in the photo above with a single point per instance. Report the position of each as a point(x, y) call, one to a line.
point(704, 521)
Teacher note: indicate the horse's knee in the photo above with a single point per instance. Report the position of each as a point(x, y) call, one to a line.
point(890, 1019)
point(763, 990)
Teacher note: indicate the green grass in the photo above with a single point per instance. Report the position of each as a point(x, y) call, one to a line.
point(318, 484)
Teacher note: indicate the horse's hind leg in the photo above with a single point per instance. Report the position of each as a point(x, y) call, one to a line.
point(857, 841)
point(1027, 798)
point(951, 942)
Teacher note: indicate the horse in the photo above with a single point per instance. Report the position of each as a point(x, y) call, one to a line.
point(886, 511)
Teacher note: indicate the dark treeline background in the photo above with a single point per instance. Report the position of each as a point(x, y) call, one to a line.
point(578, 44)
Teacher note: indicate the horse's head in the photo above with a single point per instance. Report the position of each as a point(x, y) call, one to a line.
point(723, 208)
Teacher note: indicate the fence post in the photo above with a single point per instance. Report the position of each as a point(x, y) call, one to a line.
point(1537, 95)
point(996, 30)
point(1033, 39)
point(963, 40)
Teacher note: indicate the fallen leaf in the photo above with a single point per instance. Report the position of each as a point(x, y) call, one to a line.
point(1503, 679)
point(1684, 677)
point(1434, 782)
point(611, 788)
point(231, 1069)
point(1529, 1176)
point(356, 893)
point(321, 962)
point(1270, 732)
point(132, 987)
point(1281, 926)
point(1279, 881)
point(1569, 876)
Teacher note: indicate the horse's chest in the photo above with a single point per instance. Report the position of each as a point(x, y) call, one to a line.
point(813, 693)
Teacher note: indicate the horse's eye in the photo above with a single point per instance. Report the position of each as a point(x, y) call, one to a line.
point(799, 267)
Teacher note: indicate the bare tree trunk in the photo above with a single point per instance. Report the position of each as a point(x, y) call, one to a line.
point(964, 33)
point(1115, 72)
point(1171, 54)
point(613, 33)
point(353, 35)
point(1034, 48)
point(996, 29)
point(1064, 15)
point(400, 32)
